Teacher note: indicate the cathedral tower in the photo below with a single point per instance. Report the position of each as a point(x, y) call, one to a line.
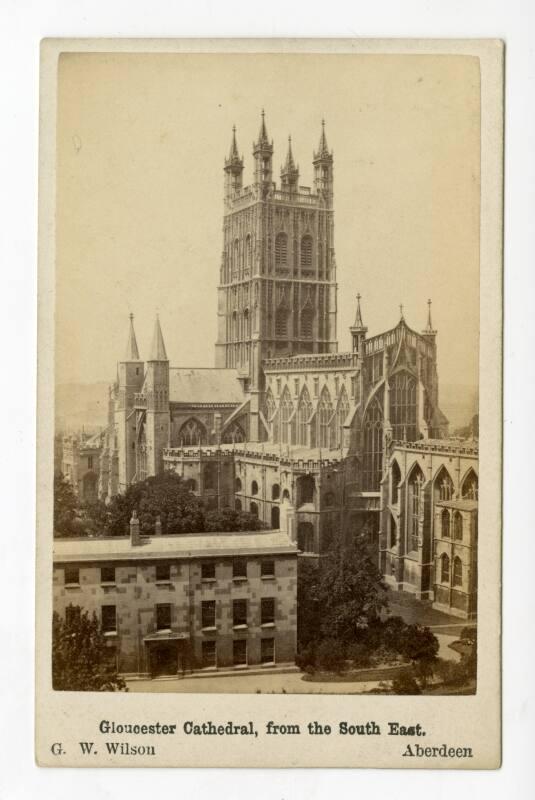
point(277, 289)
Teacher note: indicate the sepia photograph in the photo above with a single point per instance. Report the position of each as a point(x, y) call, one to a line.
point(265, 398)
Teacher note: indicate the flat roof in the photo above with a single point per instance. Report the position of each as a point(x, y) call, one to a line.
point(180, 546)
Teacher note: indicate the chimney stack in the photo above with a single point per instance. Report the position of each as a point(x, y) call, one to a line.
point(135, 537)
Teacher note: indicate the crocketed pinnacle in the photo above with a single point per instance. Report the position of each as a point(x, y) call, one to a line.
point(132, 352)
point(358, 317)
point(157, 351)
point(323, 150)
point(234, 156)
point(263, 140)
point(429, 327)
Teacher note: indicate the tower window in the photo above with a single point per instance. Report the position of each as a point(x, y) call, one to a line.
point(444, 568)
point(281, 250)
point(307, 321)
point(281, 322)
point(306, 251)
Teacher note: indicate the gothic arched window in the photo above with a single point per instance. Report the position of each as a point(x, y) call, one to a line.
point(342, 410)
point(304, 410)
point(192, 432)
point(414, 504)
point(470, 486)
point(275, 491)
point(443, 485)
point(325, 412)
point(458, 526)
point(237, 485)
point(307, 323)
point(249, 250)
point(444, 568)
point(233, 434)
point(445, 523)
point(281, 250)
point(403, 407)
point(373, 447)
point(457, 574)
point(236, 255)
point(286, 411)
point(281, 321)
point(306, 251)
point(254, 488)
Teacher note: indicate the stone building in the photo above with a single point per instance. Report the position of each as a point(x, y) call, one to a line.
point(284, 416)
point(80, 464)
point(193, 601)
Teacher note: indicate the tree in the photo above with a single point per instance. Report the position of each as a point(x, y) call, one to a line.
point(65, 507)
point(350, 591)
point(80, 661)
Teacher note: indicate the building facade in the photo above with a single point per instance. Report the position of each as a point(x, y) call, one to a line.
point(80, 464)
point(284, 417)
point(168, 604)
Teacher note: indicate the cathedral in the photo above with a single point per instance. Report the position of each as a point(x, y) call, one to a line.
point(349, 441)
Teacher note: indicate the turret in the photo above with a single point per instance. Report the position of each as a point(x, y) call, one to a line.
point(233, 169)
point(289, 172)
point(157, 394)
point(263, 156)
point(323, 168)
point(130, 381)
point(429, 331)
point(358, 331)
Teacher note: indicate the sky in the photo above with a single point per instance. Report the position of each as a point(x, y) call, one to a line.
point(141, 142)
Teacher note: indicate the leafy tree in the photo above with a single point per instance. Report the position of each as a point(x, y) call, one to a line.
point(350, 591)
point(406, 683)
point(80, 660)
point(308, 607)
point(65, 507)
point(228, 519)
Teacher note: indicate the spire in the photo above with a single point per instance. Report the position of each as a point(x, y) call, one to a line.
point(157, 351)
point(358, 318)
point(429, 330)
point(358, 330)
point(323, 150)
point(290, 172)
point(263, 140)
point(234, 159)
point(401, 317)
point(132, 352)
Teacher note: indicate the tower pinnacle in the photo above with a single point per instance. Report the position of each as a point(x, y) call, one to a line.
point(429, 330)
point(132, 352)
point(157, 351)
point(289, 172)
point(358, 330)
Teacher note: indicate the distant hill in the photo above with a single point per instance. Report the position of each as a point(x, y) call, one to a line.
point(81, 405)
point(458, 402)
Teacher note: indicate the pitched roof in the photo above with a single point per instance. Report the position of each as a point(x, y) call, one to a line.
point(192, 545)
point(204, 385)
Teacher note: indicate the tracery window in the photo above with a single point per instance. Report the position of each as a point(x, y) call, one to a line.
point(342, 410)
point(403, 407)
point(281, 250)
point(325, 412)
point(304, 410)
point(458, 526)
point(415, 500)
point(445, 523)
point(457, 575)
point(281, 321)
point(306, 251)
point(307, 323)
point(444, 568)
point(470, 487)
point(233, 434)
point(444, 484)
point(192, 432)
point(373, 447)
point(249, 250)
point(286, 411)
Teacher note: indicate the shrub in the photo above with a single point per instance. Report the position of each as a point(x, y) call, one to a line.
point(406, 683)
point(330, 655)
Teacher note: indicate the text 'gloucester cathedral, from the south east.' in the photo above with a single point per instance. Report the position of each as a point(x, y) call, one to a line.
point(351, 440)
